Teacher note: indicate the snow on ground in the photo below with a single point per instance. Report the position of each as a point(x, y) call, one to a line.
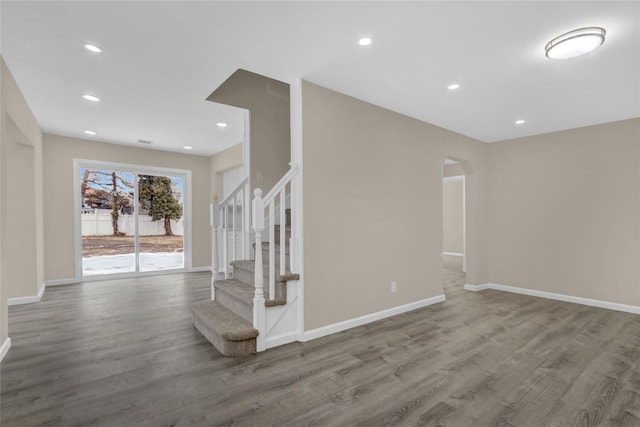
point(125, 263)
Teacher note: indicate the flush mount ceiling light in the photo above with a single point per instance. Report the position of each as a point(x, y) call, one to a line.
point(520, 122)
point(91, 98)
point(188, 147)
point(453, 86)
point(92, 48)
point(221, 125)
point(90, 132)
point(365, 41)
point(575, 43)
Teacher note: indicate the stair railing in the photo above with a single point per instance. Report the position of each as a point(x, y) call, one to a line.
point(267, 206)
point(230, 216)
point(276, 201)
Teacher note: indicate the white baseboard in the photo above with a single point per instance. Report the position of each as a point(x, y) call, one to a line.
point(198, 269)
point(27, 300)
point(453, 253)
point(6, 345)
point(369, 318)
point(558, 297)
point(476, 288)
point(58, 282)
point(282, 339)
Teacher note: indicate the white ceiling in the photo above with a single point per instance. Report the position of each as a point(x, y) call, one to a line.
point(161, 59)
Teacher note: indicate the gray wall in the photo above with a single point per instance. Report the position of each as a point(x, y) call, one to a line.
point(564, 212)
point(59, 152)
point(21, 220)
point(373, 206)
point(268, 102)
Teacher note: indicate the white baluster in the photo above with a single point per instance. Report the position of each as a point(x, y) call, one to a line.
point(246, 238)
point(243, 207)
point(233, 229)
point(283, 226)
point(225, 238)
point(272, 245)
point(214, 216)
point(293, 260)
point(259, 314)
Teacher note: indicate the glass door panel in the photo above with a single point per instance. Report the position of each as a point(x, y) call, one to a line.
point(107, 222)
point(161, 222)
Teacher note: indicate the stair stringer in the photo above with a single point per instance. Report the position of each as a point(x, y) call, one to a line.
point(282, 320)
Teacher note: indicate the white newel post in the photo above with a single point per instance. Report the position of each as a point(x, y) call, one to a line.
point(214, 219)
point(259, 315)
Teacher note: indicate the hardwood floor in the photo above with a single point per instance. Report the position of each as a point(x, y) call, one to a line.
point(123, 353)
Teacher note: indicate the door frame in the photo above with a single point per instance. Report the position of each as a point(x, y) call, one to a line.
point(135, 170)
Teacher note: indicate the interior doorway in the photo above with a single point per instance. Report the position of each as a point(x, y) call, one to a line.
point(130, 219)
point(454, 216)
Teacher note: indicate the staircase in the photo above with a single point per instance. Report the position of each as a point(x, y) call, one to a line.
point(239, 311)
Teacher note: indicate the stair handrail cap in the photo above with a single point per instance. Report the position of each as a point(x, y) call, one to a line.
point(257, 192)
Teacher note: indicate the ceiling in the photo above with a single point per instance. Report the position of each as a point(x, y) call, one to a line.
point(161, 59)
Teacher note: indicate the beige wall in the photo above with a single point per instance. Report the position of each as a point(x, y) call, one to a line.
point(268, 102)
point(564, 212)
point(218, 163)
point(21, 229)
point(452, 208)
point(59, 153)
point(452, 170)
point(373, 206)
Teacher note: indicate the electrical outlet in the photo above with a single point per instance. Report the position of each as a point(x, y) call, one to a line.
point(394, 287)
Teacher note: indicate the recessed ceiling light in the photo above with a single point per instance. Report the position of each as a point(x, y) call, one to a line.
point(92, 48)
point(575, 43)
point(89, 132)
point(365, 41)
point(188, 147)
point(520, 122)
point(91, 98)
point(221, 125)
point(453, 86)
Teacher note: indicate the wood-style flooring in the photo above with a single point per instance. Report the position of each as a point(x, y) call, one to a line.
point(124, 353)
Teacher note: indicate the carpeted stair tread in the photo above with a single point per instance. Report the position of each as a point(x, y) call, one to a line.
point(249, 265)
point(224, 321)
point(243, 292)
point(229, 333)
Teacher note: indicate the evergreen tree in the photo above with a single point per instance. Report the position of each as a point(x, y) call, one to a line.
point(156, 196)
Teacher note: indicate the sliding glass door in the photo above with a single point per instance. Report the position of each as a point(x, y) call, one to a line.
point(131, 220)
point(160, 222)
point(108, 234)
